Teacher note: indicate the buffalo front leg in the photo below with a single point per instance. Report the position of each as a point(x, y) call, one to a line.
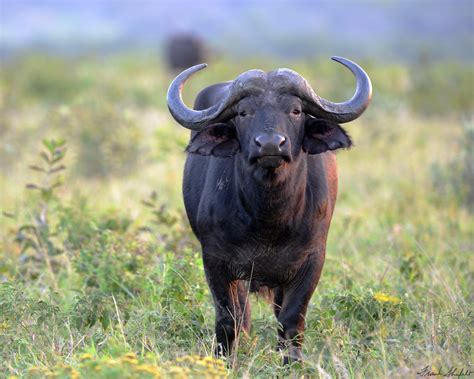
point(277, 303)
point(227, 299)
point(243, 293)
point(296, 296)
point(277, 300)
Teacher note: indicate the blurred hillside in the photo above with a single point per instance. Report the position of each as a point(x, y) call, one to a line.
point(387, 30)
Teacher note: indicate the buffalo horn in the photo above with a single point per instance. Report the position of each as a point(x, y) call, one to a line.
point(348, 110)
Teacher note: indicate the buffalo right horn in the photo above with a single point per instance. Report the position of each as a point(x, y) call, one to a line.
point(190, 118)
point(247, 83)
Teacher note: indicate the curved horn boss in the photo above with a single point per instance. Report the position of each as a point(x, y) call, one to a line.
point(313, 104)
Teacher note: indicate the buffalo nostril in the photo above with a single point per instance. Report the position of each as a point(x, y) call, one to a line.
point(257, 141)
point(282, 141)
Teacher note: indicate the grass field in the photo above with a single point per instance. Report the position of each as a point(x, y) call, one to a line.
point(100, 276)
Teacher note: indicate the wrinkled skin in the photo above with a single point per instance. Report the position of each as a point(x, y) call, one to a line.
point(259, 191)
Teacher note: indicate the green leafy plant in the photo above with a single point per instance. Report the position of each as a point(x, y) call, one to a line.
point(168, 227)
point(52, 158)
point(37, 238)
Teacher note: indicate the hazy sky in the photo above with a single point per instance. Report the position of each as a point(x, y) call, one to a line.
point(387, 28)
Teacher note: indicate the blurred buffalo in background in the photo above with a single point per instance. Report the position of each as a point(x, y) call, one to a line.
point(185, 50)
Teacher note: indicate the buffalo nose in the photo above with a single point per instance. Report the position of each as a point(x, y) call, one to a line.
point(270, 142)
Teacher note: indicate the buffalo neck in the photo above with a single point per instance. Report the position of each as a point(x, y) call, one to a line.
point(273, 202)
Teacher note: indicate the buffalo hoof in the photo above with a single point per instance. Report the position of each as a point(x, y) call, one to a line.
point(291, 358)
point(290, 355)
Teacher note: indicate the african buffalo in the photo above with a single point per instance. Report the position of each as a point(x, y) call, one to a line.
point(259, 188)
point(184, 50)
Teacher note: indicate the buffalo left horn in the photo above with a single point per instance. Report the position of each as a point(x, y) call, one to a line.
point(340, 112)
point(190, 118)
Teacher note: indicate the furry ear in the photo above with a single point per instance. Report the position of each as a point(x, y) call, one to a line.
point(219, 140)
point(323, 135)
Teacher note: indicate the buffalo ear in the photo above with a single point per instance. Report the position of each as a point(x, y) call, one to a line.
point(323, 135)
point(219, 140)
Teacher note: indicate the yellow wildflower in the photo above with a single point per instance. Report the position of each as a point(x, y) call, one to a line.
point(75, 374)
point(130, 355)
point(384, 298)
point(149, 369)
point(85, 356)
point(132, 361)
point(111, 362)
point(177, 372)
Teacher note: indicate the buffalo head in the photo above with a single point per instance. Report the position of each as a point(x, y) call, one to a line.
point(269, 119)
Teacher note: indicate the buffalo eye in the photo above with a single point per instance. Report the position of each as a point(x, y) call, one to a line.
point(296, 112)
point(243, 114)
